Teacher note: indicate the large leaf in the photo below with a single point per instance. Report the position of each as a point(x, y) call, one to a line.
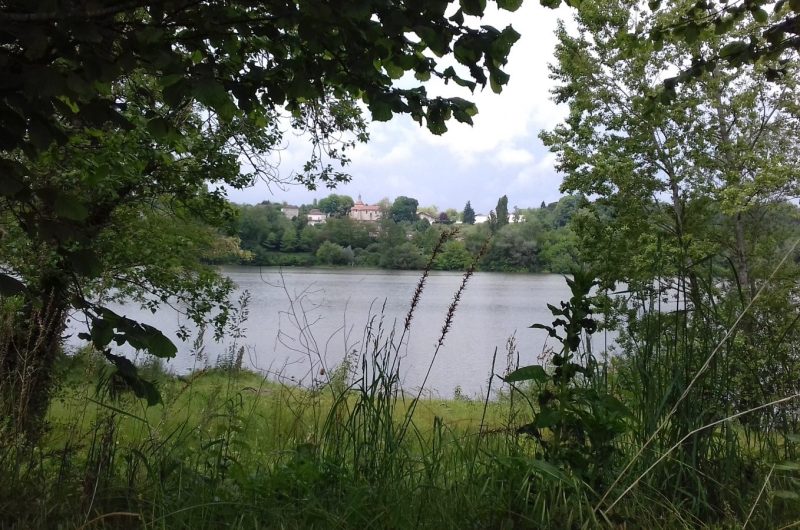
point(140, 336)
point(70, 207)
point(509, 5)
point(547, 417)
point(86, 263)
point(547, 469)
point(140, 387)
point(102, 332)
point(533, 372)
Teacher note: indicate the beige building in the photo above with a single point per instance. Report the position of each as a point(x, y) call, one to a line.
point(365, 212)
point(290, 211)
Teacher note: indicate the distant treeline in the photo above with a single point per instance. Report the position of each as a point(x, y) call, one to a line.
point(529, 240)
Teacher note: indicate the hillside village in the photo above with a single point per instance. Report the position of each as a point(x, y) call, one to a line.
point(399, 234)
point(363, 212)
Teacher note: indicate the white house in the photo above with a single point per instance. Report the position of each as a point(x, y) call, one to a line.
point(316, 217)
point(428, 217)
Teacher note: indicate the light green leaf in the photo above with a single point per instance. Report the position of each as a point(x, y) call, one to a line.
point(785, 494)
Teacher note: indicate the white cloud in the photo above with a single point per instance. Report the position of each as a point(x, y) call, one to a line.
point(514, 156)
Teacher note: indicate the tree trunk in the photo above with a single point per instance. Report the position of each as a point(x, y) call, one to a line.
point(28, 351)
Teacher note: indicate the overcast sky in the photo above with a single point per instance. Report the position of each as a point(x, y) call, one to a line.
point(500, 155)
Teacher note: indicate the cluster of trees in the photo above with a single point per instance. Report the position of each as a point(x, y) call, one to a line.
point(540, 240)
point(695, 183)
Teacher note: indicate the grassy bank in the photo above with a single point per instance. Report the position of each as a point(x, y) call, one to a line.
point(236, 450)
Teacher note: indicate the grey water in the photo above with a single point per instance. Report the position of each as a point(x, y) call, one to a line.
point(301, 323)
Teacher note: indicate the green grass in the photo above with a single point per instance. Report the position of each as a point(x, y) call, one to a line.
point(236, 450)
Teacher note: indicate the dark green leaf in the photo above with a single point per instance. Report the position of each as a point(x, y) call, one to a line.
point(86, 263)
point(102, 332)
point(158, 344)
point(760, 15)
point(547, 469)
point(509, 5)
point(473, 7)
point(70, 207)
point(381, 111)
point(732, 49)
point(527, 373)
point(140, 387)
point(547, 417)
point(159, 127)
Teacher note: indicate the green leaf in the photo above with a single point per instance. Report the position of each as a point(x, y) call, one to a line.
point(473, 7)
point(10, 286)
point(211, 93)
point(497, 79)
point(70, 207)
point(547, 469)
point(128, 372)
point(533, 372)
point(86, 263)
point(690, 33)
point(101, 333)
point(733, 48)
point(547, 417)
point(158, 344)
point(760, 15)
point(381, 111)
point(509, 5)
point(392, 70)
point(140, 336)
point(785, 494)
point(788, 466)
point(159, 127)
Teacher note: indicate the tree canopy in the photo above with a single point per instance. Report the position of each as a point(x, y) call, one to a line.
point(116, 113)
point(404, 209)
point(336, 205)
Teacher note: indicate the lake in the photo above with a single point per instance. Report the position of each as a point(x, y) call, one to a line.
point(302, 321)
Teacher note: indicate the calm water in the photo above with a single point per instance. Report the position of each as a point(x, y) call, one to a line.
point(333, 306)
